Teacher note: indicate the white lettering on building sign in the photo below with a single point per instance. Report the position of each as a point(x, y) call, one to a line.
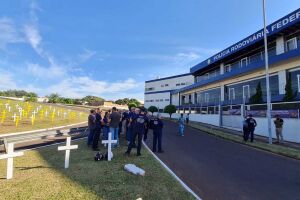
point(257, 36)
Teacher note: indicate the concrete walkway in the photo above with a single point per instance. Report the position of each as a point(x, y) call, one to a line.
point(219, 169)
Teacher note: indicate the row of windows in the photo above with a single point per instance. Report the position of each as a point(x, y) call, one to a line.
point(157, 100)
point(166, 85)
point(245, 90)
point(290, 44)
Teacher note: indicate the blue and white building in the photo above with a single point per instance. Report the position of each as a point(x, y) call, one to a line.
point(158, 91)
point(225, 85)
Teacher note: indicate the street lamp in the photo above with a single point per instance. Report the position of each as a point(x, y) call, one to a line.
point(267, 74)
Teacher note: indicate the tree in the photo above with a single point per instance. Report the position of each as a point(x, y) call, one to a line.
point(170, 109)
point(93, 100)
point(153, 109)
point(258, 96)
point(130, 105)
point(54, 98)
point(289, 93)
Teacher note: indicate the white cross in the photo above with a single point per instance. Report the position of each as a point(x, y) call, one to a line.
point(109, 142)
point(14, 116)
point(9, 108)
point(17, 105)
point(57, 113)
point(46, 113)
point(65, 114)
point(34, 112)
point(10, 159)
point(6, 105)
point(67, 148)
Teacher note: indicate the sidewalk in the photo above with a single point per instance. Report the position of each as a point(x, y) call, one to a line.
point(288, 149)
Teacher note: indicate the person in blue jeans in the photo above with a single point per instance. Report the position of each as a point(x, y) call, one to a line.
point(114, 120)
point(92, 126)
point(181, 121)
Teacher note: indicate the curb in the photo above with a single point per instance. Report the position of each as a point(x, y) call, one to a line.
point(172, 173)
point(39, 130)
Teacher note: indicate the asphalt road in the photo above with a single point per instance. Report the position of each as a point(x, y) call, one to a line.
point(215, 168)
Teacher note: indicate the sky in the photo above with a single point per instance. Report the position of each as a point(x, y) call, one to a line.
point(110, 48)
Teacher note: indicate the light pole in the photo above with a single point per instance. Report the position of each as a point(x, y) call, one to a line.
point(267, 74)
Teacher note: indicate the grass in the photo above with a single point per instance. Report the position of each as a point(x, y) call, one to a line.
point(7, 124)
point(39, 174)
point(277, 149)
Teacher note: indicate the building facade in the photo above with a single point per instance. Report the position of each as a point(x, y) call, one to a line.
point(158, 91)
point(235, 75)
point(232, 83)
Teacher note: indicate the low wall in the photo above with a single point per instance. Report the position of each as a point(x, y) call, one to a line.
point(291, 127)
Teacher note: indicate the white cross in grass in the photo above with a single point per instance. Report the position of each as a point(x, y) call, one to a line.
point(67, 148)
point(14, 116)
point(109, 142)
point(10, 159)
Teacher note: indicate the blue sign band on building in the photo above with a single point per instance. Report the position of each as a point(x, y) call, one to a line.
point(273, 28)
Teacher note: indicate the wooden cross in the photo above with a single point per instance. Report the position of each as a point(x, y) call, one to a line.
point(109, 142)
point(10, 159)
point(67, 148)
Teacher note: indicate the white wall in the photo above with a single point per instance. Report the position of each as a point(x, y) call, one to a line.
point(291, 127)
point(157, 96)
point(157, 85)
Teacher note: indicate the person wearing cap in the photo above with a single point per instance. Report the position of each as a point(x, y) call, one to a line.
point(251, 126)
point(157, 126)
point(139, 123)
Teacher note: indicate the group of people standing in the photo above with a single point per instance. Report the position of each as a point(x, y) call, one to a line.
point(134, 124)
point(250, 123)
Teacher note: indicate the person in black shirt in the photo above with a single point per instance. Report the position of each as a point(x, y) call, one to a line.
point(91, 125)
point(139, 122)
point(251, 126)
point(157, 126)
point(97, 132)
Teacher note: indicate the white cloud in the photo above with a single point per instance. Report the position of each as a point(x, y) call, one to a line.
point(8, 32)
point(77, 87)
point(51, 72)
point(86, 55)
point(33, 36)
point(7, 81)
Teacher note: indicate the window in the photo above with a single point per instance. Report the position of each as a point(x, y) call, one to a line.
point(246, 91)
point(298, 76)
point(161, 100)
point(228, 68)
point(157, 100)
point(231, 94)
point(166, 85)
point(177, 84)
point(244, 62)
point(150, 89)
point(162, 85)
point(167, 99)
point(206, 76)
point(182, 83)
point(291, 44)
point(206, 97)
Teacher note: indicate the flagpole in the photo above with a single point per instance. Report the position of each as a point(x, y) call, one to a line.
point(267, 74)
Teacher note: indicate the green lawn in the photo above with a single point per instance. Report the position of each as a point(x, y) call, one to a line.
point(39, 174)
point(42, 120)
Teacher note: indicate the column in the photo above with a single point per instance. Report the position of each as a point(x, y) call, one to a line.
point(222, 92)
point(222, 68)
point(282, 81)
point(279, 45)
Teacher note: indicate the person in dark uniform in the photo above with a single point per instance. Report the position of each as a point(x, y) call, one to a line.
point(105, 126)
point(91, 125)
point(139, 125)
point(251, 126)
point(97, 132)
point(147, 128)
point(157, 126)
point(131, 116)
